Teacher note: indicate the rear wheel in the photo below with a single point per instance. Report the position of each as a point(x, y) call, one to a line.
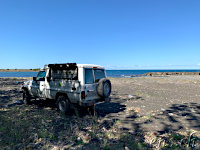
point(26, 97)
point(104, 88)
point(63, 104)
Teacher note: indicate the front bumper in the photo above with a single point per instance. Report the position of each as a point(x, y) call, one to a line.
point(93, 102)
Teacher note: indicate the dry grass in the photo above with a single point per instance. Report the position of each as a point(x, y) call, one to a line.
point(34, 127)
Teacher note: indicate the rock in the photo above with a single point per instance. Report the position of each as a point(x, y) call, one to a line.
point(163, 109)
point(79, 138)
point(170, 73)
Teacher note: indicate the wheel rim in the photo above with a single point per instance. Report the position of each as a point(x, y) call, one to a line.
point(106, 89)
point(62, 105)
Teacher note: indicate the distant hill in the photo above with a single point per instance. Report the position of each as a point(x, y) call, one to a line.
point(19, 70)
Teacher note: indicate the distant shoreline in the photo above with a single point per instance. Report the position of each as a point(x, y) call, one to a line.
point(118, 74)
point(19, 70)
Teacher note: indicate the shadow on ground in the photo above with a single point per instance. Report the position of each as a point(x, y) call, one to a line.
point(179, 116)
point(100, 110)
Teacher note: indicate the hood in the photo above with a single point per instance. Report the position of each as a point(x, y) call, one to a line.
point(28, 82)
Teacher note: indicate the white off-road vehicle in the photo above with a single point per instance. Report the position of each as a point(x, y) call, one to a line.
point(69, 84)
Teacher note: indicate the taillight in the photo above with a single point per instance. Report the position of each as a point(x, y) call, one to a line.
point(83, 95)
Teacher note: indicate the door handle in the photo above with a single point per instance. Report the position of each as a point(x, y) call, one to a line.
point(90, 90)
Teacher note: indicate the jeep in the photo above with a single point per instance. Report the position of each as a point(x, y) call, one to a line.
point(69, 84)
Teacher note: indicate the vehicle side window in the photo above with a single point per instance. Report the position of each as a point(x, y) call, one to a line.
point(65, 74)
point(89, 76)
point(99, 73)
point(41, 76)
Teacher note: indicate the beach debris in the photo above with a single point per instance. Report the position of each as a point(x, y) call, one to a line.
point(126, 148)
point(79, 138)
point(100, 138)
point(170, 114)
point(192, 110)
point(131, 96)
point(163, 109)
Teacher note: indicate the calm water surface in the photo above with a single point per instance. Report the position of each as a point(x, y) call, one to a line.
point(18, 74)
point(110, 73)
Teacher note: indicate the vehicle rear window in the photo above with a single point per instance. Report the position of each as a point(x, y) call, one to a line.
point(89, 76)
point(99, 73)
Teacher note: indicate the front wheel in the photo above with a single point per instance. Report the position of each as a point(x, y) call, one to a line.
point(26, 97)
point(63, 104)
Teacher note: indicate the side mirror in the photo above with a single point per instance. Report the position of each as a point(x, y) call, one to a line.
point(42, 79)
point(34, 78)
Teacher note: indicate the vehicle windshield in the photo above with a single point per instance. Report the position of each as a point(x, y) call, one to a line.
point(41, 75)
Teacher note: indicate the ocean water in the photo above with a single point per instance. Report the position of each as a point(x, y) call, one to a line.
point(132, 73)
point(110, 73)
point(18, 74)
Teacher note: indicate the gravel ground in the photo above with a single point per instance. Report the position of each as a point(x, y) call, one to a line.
point(157, 104)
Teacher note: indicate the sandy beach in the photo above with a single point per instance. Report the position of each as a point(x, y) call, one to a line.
point(171, 102)
point(157, 105)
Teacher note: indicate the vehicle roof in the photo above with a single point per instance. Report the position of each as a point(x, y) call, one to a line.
point(81, 66)
point(90, 66)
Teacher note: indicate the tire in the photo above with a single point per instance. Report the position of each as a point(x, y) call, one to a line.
point(26, 97)
point(104, 88)
point(63, 104)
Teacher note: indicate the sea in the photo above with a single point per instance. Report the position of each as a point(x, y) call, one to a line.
point(110, 73)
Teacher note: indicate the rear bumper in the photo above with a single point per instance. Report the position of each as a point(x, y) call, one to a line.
point(94, 101)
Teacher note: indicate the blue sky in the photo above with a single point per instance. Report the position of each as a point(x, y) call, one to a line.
point(118, 34)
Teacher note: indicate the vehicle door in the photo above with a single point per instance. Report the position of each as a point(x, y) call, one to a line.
point(90, 85)
point(38, 85)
